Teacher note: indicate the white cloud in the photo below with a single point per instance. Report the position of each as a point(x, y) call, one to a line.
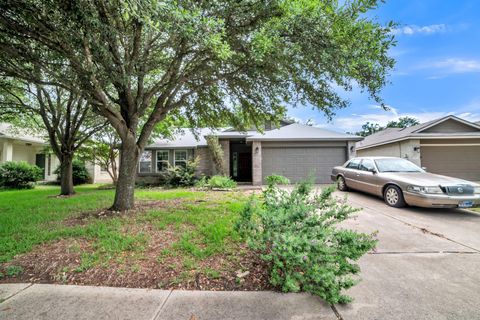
point(354, 122)
point(454, 65)
point(413, 29)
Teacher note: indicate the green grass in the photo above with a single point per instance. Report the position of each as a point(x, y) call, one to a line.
point(202, 221)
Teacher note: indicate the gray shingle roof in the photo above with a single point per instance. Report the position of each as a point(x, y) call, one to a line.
point(300, 132)
point(290, 132)
point(389, 135)
point(184, 139)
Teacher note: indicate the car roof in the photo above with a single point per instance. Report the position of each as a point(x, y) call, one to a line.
point(376, 157)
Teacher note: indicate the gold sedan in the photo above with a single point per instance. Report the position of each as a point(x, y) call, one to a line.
point(400, 182)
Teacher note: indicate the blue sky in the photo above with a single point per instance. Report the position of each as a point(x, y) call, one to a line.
point(437, 70)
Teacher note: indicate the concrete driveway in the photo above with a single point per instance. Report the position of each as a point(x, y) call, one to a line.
point(426, 265)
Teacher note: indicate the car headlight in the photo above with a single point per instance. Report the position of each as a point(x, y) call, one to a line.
point(476, 190)
point(429, 189)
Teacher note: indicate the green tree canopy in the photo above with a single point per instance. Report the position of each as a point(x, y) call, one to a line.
point(402, 122)
point(139, 60)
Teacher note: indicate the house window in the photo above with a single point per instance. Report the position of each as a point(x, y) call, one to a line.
point(162, 160)
point(180, 158)
point(145, 162)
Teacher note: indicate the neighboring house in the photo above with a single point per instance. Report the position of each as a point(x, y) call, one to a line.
point(449, 146)
point(16, 145)
point(292, 150)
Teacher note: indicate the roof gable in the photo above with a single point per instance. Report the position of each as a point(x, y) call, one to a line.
point(450, 125)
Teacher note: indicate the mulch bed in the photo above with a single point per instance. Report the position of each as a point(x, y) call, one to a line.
point(55, 262)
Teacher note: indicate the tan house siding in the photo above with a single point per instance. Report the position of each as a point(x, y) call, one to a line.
point(407, 149)
point(450, 126)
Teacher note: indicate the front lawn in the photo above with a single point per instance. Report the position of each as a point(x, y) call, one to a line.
point(175, 238)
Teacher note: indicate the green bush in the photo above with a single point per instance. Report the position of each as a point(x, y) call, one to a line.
point(296, 233)
point(19, 175)
point(221, 182)
point(276, 179)
point(179, 176)
point(216, 182)
point(79, 172)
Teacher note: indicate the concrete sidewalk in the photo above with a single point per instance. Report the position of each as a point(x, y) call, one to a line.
point(44, 301)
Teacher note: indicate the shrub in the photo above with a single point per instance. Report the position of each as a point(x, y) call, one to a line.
point(79, 172)
point(221, 182)
point(275, 179)
point(179, 176)
point(202, 183)
point(19, 175)
point(216, 182)
point(296, 233)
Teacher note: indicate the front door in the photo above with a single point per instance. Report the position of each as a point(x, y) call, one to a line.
point(40, 162)
point(240, 161)
point(245, 166)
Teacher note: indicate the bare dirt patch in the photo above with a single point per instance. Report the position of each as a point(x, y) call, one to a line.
point(58, 263)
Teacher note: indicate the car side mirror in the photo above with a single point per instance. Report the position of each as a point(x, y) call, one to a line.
point(424, 168)
point(372, 170)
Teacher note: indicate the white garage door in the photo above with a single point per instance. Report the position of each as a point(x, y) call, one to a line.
point(460, 162)
point(300, 163)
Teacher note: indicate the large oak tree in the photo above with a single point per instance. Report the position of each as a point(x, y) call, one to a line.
point(139, 60)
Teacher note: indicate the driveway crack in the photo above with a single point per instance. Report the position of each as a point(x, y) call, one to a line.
point(160, 309)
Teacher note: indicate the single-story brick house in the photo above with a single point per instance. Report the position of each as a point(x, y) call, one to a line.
point(18, 145)
point(293, 150)
point(448, 146)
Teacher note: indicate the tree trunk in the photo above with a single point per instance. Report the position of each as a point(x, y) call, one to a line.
point(66, 176)
point(124, 195)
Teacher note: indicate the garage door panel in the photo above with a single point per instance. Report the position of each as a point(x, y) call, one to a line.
point(456, 161)
point(300, 163)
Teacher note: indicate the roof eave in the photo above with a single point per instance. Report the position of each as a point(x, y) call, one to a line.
point(421, 136)
point(306, 139)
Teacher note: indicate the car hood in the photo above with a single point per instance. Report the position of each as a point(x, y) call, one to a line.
point(424, 178)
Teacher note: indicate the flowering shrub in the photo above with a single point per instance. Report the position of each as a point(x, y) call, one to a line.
point(296, 232)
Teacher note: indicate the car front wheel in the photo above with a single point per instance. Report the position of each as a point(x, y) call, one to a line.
point(393, 196)
point(341, 184)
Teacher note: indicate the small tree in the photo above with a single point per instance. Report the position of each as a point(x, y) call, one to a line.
point(103, 149)
point(65, 116)
point(217, 154)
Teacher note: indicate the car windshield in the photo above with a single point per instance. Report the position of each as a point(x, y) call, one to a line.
point(396, 165)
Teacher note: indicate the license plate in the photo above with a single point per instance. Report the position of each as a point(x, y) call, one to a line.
point(465, 204)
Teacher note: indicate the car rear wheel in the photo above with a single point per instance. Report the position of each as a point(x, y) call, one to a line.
point(341, 184)
point(393, 196)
